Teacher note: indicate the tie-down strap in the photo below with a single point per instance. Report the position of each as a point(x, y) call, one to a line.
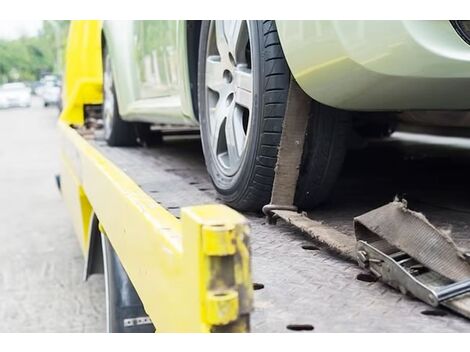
point(290, 150)
point(405, 250)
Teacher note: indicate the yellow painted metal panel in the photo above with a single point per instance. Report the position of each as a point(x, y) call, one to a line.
point(193, 274)
point(76, 202)
point(83, 70)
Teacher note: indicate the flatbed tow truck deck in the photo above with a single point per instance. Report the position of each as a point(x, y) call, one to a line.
point(195, 266)
point(299, 284)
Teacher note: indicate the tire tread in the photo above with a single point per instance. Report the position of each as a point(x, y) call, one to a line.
point(276, 84)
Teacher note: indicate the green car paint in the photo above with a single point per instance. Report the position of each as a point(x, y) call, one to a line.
point(379, 65)
point(151, 70)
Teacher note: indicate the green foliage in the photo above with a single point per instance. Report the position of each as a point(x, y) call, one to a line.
point(28, 58)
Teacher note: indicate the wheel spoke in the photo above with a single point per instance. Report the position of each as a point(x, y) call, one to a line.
point(239, 131)
point(237, 39)
point(244, 87)
point(217, 118)
point(214, 73)
point(221, 39)
point(230, 135)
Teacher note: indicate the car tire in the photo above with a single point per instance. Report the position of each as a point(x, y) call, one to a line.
point(325, 146)
point(117, 132)
point(124, 309)
point(249, 188)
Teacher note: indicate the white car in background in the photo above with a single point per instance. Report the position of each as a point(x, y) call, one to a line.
point(51, 93)
point(16, 94)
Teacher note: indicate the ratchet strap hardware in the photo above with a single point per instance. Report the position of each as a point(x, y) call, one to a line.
point(404, 250)
point(400, 271)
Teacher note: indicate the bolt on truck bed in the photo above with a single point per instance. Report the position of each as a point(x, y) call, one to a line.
point(299, 285)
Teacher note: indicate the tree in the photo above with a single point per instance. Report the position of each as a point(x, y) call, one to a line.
point(27, 58)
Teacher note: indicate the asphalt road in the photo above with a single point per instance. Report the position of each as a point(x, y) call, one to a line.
point(41, 266)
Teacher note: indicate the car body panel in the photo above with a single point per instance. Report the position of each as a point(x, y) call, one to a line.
point(156, 44)
point(379, 65)
point(150, 71)
point(352, 65)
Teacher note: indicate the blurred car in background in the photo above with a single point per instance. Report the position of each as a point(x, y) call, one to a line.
point(36, 87)
point(51, 92)
point(16, 94)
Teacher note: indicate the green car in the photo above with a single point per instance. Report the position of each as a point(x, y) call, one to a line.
point(231, 79)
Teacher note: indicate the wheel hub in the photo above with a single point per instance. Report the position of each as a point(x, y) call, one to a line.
point(229, 90)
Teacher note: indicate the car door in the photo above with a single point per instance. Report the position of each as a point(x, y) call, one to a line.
point(150, 71)
point(157, 58)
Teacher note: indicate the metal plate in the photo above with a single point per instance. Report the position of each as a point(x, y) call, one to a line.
point(301, 286)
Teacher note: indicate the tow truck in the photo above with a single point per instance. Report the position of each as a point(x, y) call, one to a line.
point(187, 263)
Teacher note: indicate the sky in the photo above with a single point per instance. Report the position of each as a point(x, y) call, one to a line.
point(15, 29)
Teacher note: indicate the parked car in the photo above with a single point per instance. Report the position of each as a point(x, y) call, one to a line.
point(38, 87)
point(15, 94)
point(231, 79)
point(51, 93)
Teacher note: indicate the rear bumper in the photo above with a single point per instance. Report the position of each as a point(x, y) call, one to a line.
point(51, 100)
point(379, 65)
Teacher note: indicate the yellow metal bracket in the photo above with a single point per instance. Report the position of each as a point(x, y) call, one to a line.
point(218, 240)
point(224, 265)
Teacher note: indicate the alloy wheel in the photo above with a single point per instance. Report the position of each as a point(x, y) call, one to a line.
point(229, 92)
